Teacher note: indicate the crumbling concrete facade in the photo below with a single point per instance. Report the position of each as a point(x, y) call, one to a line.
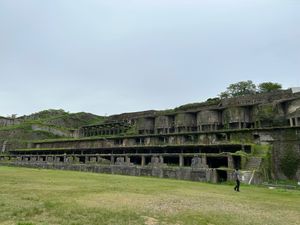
point(204, 142)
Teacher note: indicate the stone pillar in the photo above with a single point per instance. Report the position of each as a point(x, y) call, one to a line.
point(127, 159)
point(112, 160)
point(65, 157)
point(161, 159)
point(296, 121)
point(98, 158)
point(143, 161)
point(204, 159)
point(291, 122)
point(86, 159)
point(181, 161)
point(214, 176)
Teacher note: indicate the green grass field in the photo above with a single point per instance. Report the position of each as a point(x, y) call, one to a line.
point(32, 196)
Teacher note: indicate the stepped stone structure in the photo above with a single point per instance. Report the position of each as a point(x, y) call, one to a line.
point(200, 142)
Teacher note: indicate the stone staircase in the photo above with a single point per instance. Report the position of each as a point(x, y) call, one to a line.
point(248, 174)
point(253, 164)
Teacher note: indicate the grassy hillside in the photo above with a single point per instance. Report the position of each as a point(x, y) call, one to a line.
point(51, 124)
point(63, 119)
point(31, 196)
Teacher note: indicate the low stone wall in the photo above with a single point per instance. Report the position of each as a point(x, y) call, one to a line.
point(194, 174)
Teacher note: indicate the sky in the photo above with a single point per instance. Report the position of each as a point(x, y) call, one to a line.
point(110, 57)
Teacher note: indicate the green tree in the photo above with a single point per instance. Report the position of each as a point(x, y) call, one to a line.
point(289, 163)
point(239, 89)
point(268, 87)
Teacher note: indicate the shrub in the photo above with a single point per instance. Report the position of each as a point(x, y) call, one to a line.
point(289, 163)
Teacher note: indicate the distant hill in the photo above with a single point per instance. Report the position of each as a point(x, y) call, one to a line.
point(60, 118)
point(47, 124)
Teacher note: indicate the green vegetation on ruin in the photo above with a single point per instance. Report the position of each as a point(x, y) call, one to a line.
point(104, 137)
point(34, 196)
point(48, 123)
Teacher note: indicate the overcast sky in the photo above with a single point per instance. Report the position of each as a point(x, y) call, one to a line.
point(114, 56)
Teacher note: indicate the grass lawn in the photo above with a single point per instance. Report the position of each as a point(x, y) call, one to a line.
point(32, 196)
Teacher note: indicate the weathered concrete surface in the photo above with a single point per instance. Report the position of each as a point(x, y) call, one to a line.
point(182, 173)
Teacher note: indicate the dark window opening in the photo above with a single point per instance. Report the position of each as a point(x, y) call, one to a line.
point(247, 149)
point(206, 127)
point(171, 130)
point(187, 161)
point(221, 176)
point(234, 125)
point(256, 137)
point(221, 137)
point(191, 150)
point(162, 140)
point(81, 159)
point(137, 160)
point(189, 138)
point(131, 150)
point(171, 160)
point(142, 150)
point(156, 150)
point(118, 141)
point(160, 131)
point(140, 141)
point(217, 162)
point(172, 150)
point(147, 160)
point(118, 151)
point(228, 137)
point(294, 121)
point(236, 162)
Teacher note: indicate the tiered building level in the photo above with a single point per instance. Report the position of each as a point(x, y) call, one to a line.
point(201, 142)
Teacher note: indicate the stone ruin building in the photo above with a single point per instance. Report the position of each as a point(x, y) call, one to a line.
point(199, 142)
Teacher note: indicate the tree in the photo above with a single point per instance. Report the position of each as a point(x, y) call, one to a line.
point(290, 163)
point(268, 87)
point(239, 89)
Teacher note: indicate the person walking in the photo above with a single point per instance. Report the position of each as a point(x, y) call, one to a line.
point(236, 176)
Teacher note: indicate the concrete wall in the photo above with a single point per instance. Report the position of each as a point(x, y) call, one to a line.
point(8, 121)
point(198, 174)
point(208, 117)
point(185, 120)
point(236, 115)
point(164, 123)
point(144, 124)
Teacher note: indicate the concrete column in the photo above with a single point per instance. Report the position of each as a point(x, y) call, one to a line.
point(143, 161)
point(181, 161)
point(291, 122)
point(214, 178)
point(161, 159)
point(204, 159)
